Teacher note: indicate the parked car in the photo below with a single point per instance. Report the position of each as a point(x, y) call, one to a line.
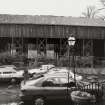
point(43, 69)
point(46, 88)
point(8, 73)
point(52, 88)
point(65, 71)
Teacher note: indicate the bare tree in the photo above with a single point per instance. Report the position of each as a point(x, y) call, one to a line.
point(103, 8)
point(93, 12)
point(103, 2)
point(90, 12)
point(102, 17)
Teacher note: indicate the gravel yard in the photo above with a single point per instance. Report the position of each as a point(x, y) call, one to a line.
point(9, 94)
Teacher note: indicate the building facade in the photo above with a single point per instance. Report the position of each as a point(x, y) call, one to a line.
point(47, 37)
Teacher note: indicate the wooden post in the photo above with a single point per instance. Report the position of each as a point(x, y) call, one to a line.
point(69, 60)
point(60, 53)
point(22, 45)
point(83, 47)
point(104, 49)
point(37, 46)
point(60, 46)
point(12, 45)
point(45, 47)
point(92, 65)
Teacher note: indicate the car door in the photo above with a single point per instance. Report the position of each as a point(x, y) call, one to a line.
point(68, 85)
point(53, 90)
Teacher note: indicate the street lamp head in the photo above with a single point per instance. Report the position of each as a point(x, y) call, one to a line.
point(71, 41)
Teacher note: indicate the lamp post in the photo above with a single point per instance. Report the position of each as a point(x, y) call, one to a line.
point(71, 43)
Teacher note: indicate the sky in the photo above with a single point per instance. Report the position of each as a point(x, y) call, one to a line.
point(46, 7)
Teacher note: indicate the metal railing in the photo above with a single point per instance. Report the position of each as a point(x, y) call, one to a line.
point(95, 88)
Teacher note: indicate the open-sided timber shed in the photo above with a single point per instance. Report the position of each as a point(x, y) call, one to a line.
point(46, 36)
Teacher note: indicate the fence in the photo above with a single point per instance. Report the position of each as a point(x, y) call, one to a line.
point(80, 61)
point(94, 88)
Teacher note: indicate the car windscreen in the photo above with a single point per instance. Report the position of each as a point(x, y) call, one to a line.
point(36, 76)
point(35, 82)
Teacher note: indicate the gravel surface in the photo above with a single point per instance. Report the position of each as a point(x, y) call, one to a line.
point(9, 94)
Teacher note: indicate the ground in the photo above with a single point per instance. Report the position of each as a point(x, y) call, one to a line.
point(9, 94)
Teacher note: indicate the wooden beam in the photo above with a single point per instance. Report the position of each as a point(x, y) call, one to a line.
point(60, 46)
point(104, 48)
point(37, 46)
point(92, 65)
point(83, 46)
point(92, 47)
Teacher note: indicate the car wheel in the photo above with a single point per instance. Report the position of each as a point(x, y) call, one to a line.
point(13, 80)
point(39, 101)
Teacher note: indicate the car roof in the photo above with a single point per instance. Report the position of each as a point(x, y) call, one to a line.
point(12, 66)
point(49, 76)
point(45, 77)
point(57, 75)
point(7, 69)
point(47, 65)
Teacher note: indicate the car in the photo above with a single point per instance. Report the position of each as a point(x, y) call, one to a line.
point(8, 73)
point(43, 69)
point(54, 88)
point(48, 66)
point(46, 89)
point(66, 71)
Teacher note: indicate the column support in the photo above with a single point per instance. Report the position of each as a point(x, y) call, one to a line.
point(83, 46)
point(92, 53)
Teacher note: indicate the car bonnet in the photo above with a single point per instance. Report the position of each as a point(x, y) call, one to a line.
point(31, 82)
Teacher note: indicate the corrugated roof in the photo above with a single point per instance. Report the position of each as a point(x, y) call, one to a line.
point(50, 20)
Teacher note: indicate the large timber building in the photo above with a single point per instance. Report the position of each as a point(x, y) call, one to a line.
point(46, 36)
